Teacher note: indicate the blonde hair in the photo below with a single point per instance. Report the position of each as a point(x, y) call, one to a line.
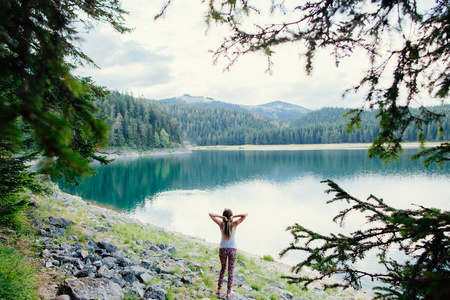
point(227, 226)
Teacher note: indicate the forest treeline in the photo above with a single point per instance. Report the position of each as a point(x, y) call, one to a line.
point(141, 123)
point(217, 126)
point(136, 123)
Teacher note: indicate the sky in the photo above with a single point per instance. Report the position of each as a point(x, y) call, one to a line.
point(170, 57)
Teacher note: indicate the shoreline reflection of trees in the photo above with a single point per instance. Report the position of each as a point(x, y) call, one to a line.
point(126, 184)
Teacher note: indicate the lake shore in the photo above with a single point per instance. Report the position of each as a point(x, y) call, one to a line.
point(161, 152)
point(144, 260)
point(295, 147)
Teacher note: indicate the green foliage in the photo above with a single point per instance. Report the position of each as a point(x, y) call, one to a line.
point(43, 107)
point(164, 138)
point(15, 180)
point(219, 126)
point(268, 258)
point(137, 123)
point(16, 279)
point(421, 234)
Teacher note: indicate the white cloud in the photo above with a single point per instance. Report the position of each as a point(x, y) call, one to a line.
point(169, 57)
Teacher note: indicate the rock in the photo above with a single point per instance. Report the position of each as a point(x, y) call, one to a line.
point(188, 278)
point(91, 288)
point(162, 246)
point(34, 205)
point(86, 272)
point(129, 277)
point(155, 291)
point(154, 248)
point(83, 253)
point(56, 232)
point(63, 297)
point(121, 259)
point(108, 247)
point(148, 264)
point(102, 228)
point(37, 224)
point(138, 270)
point(110, 262)
point(45, 253)
point(283, 294)
point(59, 222)
point(145, 277)
point(48, 264)
point(105, 272)
point(172, 250)
point(239, 279)
point(73, 238)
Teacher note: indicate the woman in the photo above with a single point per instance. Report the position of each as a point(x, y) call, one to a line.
point(227, 250)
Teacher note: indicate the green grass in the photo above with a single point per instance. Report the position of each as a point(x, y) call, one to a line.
point(268, 258)
point(16, 278)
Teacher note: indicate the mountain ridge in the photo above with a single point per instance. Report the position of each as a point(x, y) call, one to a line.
point(275, 110)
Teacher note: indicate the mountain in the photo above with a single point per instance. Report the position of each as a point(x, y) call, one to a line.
point(200, 101)
point(277, 110)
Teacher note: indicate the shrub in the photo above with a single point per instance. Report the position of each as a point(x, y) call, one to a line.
point(268, 258)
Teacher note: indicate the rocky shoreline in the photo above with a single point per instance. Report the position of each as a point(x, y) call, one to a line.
point(126, 154)
point(97, 253)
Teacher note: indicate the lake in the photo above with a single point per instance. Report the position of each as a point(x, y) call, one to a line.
point(275, 188)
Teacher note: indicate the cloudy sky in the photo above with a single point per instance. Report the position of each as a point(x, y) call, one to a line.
point(169, 57)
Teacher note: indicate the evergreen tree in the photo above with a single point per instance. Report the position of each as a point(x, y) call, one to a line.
point(44, 108)
point(164, 138)
point(156, 140)
point(133, 121)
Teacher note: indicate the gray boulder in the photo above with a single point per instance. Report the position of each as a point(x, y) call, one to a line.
point(155, 291)
point(108, 247)
point(91, 288)
point(60, 222)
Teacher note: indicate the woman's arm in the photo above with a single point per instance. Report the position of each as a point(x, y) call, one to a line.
point(240, 219)
point(218, 219)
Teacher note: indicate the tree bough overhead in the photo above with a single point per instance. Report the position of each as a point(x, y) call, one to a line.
point(406, 44)
point(41, 101)
point(421, 235)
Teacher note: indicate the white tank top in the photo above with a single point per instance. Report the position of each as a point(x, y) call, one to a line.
point(231, 243)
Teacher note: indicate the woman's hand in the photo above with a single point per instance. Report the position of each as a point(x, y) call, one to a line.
point(241, 218)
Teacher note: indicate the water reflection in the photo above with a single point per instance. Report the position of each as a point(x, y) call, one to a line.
point(127, 184)
point(276, 189)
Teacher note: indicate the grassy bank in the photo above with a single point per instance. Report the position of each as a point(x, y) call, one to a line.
point(21, 260)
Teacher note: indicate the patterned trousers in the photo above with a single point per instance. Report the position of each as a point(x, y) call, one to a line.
point(224, 254)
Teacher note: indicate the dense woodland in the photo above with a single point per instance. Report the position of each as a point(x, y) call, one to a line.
point(143, 124)
point(217, 126)
point(137, 124)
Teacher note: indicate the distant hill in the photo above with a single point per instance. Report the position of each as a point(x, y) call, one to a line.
point(144, 123)
point(200, 101)
point(277, 110)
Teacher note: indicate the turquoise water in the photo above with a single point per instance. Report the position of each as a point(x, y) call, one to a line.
point(276, 189)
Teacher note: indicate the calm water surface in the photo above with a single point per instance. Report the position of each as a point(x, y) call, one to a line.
point(276, 189)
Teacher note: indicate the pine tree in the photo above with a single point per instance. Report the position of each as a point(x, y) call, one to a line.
point(164, 139)
point(156, 140)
